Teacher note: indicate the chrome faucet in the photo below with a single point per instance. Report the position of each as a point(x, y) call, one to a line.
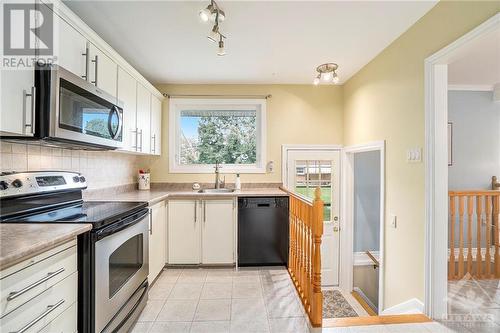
point(218, 182)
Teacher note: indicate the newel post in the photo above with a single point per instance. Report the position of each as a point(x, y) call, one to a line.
point(317, 229)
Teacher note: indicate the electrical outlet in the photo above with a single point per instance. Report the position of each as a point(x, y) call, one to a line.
point(394, 221)
point(414, 155)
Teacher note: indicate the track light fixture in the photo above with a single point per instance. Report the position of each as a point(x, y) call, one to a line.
point(213, 13)
point(327, 74)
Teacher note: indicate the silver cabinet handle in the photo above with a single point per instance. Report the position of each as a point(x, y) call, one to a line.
point(86, 55)
point(151, 221)
point(136, 143)
point(32, 95)
point(16, 294)
point(140, 133)
point(44, 314)
point(153, 149)
point(204, 212)
point(195, 211)
point(96, 61)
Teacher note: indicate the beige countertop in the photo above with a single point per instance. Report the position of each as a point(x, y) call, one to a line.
point(19, 241)
point(156, 195)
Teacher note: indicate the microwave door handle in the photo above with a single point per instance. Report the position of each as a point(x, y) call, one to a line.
point(110, 127)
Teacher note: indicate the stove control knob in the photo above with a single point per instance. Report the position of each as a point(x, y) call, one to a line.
point(17, 183)
point(4, 185)
point(82, 179)
point(76, 179)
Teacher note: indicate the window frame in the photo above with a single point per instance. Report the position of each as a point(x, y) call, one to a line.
point(175, 107)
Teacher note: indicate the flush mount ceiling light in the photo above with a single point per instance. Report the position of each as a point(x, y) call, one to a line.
point(214, 14)
point(326, 74)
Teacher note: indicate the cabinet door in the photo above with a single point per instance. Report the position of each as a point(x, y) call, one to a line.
point(218, 231)
point(143, 119)
point(17, 107)
point(72, 49)
point(103, 70)
point(127, 94)
point(184, 232)
point(155, 126)
point(156, 240)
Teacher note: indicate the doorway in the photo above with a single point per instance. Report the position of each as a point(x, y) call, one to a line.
point(306, 169)
point(438, 159)
point(363, 210)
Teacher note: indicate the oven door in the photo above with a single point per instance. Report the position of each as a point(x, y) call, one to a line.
point(82, 112)
point(121, 266)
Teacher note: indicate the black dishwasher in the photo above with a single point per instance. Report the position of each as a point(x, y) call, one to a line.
point(262, 231)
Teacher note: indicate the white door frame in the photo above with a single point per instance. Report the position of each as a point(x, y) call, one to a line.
point(347, 216)
point(436, 166)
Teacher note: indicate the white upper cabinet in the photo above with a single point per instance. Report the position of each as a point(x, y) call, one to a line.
point(143, 119)
point(155, 126)
point(127, 94)
point(218, 220)
point(17, 108)
point(72, 52)
point(103, 70)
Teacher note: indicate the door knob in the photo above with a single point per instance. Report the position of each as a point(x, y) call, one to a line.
point(335, 218)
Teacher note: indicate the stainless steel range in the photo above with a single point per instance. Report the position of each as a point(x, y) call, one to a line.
point(112, 257)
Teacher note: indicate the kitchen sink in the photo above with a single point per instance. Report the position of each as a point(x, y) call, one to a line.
point(216, 190)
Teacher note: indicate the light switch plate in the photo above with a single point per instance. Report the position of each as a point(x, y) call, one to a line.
point(394, 221)
point(414, 155)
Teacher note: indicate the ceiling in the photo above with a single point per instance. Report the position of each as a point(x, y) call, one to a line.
point(479, 64)
point(268, 41)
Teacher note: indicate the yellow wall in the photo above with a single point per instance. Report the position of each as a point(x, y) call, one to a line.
point(295, 114)
point(385, 100)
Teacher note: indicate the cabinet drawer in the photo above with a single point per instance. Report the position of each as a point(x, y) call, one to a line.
point(19, 287)
point(43, 309)
point(65, 322)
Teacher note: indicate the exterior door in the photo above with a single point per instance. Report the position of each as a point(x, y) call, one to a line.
point(306, 170)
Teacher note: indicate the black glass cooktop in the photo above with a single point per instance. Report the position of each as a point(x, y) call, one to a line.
point(98, 213)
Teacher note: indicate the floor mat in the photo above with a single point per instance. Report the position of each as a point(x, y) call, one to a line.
point(336, 306)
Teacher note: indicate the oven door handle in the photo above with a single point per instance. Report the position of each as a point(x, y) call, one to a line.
point(122, 225)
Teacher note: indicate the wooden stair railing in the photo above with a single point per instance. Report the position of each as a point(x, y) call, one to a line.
point(466, 209)
point(304, 264)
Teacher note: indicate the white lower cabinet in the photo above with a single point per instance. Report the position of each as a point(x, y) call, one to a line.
point(218, 232)
point(157, 238)
point(201, 231)
point(40, 293)
point(184, 232)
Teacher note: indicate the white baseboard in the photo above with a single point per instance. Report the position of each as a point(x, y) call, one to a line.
point(411, 306)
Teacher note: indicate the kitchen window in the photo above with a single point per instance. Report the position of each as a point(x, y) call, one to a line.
point(226, 131)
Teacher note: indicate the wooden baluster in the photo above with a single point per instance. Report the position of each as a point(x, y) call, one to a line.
point(317, 306)
point(470, 210)
point(479, 256)
point(461, 237)
point(496, 207)
point(451, 268)
point(487, 256)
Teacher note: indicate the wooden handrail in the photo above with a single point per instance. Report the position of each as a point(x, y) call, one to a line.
point(304, 262)
point(375, 261)
point(474, 211)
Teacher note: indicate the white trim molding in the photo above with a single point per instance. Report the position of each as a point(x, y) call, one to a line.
point(470, 87)
point(347, 258)
point(436, 170)
point(411, 306)
point(366, 299)
point(175, 107)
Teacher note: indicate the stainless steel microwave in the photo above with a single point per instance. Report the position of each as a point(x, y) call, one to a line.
point(73, 113)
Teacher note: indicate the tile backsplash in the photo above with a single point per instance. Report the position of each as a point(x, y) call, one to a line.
point(102, 169)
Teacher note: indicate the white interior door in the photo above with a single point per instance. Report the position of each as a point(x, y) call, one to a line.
point(306, 170)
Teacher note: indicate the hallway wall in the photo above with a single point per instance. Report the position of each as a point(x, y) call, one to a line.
point(385, 101)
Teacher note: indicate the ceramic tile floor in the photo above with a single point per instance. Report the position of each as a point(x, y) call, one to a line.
point(247, 300)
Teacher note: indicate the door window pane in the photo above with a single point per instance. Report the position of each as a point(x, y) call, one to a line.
point(309, 174)
point(124, 262)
